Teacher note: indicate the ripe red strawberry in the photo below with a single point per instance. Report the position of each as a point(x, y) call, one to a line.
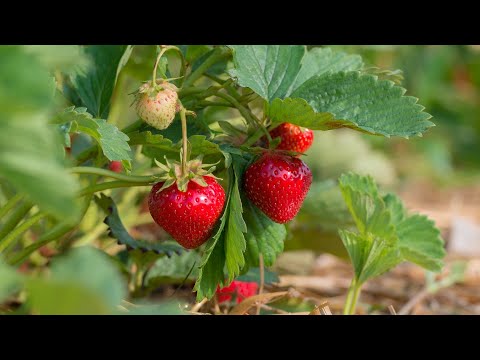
point(157, 105)
point(240, 289)
point(190, 216)
point(277, 185)
point(115, 166)
point(293, 137)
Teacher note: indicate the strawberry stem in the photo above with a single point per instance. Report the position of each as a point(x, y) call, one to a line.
point(352, 298)
point(183, 118)
point(110, 185)
point(246, 113)
point(16, 216)
point(217, 55)
point(19, 230)
point(163, 51)
point(11, 203)
point(56, 232)
point(183, 67)
point(165, 48)
point(112, 174)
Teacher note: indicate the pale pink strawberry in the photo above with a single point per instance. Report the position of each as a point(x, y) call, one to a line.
point(157, 105)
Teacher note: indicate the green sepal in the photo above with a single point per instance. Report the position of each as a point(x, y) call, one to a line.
point(172, 173)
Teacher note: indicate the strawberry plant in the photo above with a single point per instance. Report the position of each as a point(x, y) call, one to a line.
point(215, 136)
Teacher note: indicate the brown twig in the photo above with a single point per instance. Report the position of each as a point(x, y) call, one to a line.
point(216, 307)
point(198, 306)
point(325, 310)
point(392, 310)
point(262, 279)
point(405, 310)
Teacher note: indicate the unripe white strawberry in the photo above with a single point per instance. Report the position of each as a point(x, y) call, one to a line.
point(157, 105)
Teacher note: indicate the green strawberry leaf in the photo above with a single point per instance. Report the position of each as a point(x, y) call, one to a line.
point(155, 146)
point(263, 236)
point(235, 244)
point(298, 112)
point(366, 206)
point(114, 143)
point(118, 231)
point(275, 71)
point(372, 105)
point(386, 235)
point(269, 70)
point(420, 242)
point(92, 85)
point(210, 271)
point(326, 92)
point(374, 249)
point(71, 114)
point(173, 270)
point(227, 246)
point(319, 61)
point(418, 239)
point(32, 158)
point(397, 210)
point(370, 255)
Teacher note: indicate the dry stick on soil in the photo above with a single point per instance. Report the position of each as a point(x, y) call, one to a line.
point(315, 311)
point(262, 279)
point(216, 308)
point(325, 309)
point(405, 310)
point(198, 306)
point(392, 310)
point(252, 301)
point(321, 309)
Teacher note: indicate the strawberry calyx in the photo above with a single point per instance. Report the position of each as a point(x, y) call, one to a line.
point(195, 170)
point(153, 89)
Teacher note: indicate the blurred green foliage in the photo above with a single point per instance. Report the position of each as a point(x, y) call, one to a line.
point(447, 80)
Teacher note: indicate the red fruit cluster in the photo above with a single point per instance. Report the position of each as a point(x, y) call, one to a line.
point(238, 289)
point(277, 185)
point(293, 137)
point(189, 217)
